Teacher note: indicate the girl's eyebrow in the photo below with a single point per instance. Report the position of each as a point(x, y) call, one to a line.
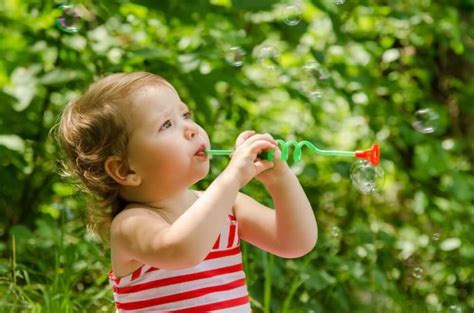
point(163, 114)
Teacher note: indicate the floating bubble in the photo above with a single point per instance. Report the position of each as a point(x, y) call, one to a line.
point(291, 15)
point(266, 55)
point(316, 94)
point(417, 272)
point(314, 77)
point(339, 2)
point(235, 56)
point(366, 177)
point(70, 20)
point(316, 70)
point(425, 121)
point(436, 236)
point(335, 231)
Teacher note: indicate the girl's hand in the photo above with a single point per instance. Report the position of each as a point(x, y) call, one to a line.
point(278, 167)
point(244, 164)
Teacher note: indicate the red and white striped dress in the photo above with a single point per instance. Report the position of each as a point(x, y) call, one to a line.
point(216, 284)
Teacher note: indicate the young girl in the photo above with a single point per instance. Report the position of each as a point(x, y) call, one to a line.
point(134, 145)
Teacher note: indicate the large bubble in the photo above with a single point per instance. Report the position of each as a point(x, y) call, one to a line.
point(291, 15)
point(70, 20)
point(366, 177)
point(266, 55)
point(313, 78)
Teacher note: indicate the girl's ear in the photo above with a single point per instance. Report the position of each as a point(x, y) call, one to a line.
point(119, 171)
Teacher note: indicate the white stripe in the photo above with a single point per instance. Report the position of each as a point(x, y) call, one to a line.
point(244, 308)
point(179, 288)
point(205, 299)
point(224, 238)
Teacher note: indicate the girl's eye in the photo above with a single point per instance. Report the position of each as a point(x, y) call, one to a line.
point(165, 125)
point(168, 124)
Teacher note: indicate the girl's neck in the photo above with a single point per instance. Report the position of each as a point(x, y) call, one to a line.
point(173, 206)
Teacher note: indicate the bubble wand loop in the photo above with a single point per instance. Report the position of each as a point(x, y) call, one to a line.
point(372, 155)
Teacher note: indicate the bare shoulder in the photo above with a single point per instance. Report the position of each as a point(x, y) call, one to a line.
point(133, 217)
point(130, 226)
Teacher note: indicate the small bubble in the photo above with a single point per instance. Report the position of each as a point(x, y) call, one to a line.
point(316, 94)
point(69, 21)
point(316, 70)
point(266, 55)
point(436, 236)
point(425, 121)
point(335, 231)
point(366, 177)
point(291, 15)
point(417, 272)
point(235, 56)
point(339, 2)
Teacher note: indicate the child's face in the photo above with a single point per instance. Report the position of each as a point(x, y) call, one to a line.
point(164, 141)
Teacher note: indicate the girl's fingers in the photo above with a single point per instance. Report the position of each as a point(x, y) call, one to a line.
point(261, 166)
point(244, 136)
point(257, 137)
point(258, 146)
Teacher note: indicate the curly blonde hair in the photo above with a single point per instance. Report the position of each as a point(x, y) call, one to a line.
point(94, 127)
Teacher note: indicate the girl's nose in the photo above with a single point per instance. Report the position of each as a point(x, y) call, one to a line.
point(190, 131)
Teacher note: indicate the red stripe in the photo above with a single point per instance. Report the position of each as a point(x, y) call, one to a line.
point(232, 218)
point(216, 244)
point(114, 278)
point(178, 279)
point(180, 296)
point(231, 235)
point(136, 273)
point(223, 253)
point(152, 269)
point(216, 305)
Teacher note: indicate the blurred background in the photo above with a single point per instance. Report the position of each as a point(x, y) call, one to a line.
point(341, 74)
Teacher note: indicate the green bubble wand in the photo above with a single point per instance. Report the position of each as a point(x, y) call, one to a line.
point(372, 155)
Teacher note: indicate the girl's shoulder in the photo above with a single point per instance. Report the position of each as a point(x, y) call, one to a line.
point(132, 216)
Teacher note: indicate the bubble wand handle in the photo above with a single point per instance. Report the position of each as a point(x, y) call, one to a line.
point(372, 155)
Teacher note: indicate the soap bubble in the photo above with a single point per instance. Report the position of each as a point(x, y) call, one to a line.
point(314, 76)
point(266, 55)
point(425, 121)
point(316, 70)
point(339, 2)
point(235, 56)
point(291, 15)
point(417, 272)
point(366, 177)
point(335, 231)
point(436, 236)
point(70, 20)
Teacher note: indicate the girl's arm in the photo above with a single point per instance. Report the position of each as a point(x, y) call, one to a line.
point(290, 230)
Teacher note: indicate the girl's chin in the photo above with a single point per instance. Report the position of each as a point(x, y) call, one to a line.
point(202, 175)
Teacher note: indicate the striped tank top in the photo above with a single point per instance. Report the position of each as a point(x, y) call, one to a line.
point(216, 284)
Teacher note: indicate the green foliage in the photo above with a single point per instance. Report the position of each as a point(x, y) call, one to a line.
point(405, 249)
